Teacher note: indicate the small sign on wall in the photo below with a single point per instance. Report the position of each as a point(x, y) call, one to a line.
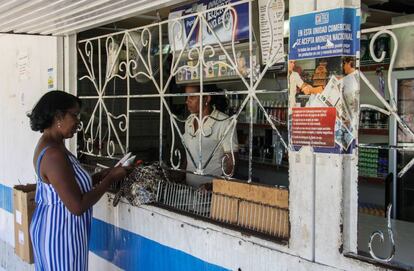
point(50, 79)
point(22, 65)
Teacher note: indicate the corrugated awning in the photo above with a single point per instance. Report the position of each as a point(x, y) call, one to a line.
point(62, 17)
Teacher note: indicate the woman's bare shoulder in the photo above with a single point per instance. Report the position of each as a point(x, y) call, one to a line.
point(52, 149)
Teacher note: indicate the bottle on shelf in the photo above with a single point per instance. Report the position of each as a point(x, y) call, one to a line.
point(277, 152)
point(273, 109)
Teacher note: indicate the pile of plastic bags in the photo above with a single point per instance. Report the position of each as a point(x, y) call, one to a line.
point(140, 187)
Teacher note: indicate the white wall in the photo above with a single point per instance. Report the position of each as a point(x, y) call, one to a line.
point(323, 189)
point(20, 89)
point(23, 79)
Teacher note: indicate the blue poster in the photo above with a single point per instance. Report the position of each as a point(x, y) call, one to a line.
point(216, 19)
point(324, 34)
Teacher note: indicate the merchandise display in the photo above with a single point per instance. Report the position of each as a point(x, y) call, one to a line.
point(140, 187)
point(373, 163)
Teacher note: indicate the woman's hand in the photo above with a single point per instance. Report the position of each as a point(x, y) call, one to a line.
point(119, 173)
point(99, 176)
point(103, 173)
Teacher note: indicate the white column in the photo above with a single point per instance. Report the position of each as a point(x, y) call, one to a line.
point(323, 187)
point(70, 76)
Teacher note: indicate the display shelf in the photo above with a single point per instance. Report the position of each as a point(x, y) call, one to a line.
point(262, 162)
point(374, 67)
point(373, 131)
point(371, 180)
point(260, 125)
point(371, 209)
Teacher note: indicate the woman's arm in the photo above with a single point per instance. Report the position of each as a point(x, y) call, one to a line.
point(56, 168)
point(99, 176)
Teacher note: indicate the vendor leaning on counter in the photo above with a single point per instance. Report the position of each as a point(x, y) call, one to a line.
point(214, 127)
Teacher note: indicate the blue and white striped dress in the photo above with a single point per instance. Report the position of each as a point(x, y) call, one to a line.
point(60, 239)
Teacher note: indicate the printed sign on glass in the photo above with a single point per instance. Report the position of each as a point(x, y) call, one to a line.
point(313, 126)
point(324, 34)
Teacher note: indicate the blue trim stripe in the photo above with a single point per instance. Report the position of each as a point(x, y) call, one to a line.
point(6, 198)
point(130, 251)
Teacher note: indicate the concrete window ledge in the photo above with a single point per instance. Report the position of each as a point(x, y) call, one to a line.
point(201, 223)
point(243, 231)
point(389, 266)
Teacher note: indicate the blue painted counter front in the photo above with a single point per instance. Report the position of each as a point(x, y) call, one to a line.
point(131, 251)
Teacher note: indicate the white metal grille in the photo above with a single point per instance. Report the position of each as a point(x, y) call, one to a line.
point(390, 110)
point(107, 134)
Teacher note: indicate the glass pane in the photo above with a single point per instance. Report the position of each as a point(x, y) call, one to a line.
point(406, 108)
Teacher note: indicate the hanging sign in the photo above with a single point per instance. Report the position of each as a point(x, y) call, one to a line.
point(271, 19)
point(324, 34)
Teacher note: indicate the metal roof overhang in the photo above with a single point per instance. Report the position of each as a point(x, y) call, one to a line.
point(65, 17)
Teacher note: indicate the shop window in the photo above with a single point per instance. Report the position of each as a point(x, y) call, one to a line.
point(144, 91)
point(386, 151)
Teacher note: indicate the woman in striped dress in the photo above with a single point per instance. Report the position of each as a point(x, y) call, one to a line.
point(65, 194)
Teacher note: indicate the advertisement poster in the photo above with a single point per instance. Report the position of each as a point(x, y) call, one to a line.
point(313, 126)
point(271, 19)
point(220, 21)
point(323, 74)
point(324, 34)
point(330, 83)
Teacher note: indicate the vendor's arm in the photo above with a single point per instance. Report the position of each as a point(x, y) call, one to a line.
point(230, 144)
point(229, 165)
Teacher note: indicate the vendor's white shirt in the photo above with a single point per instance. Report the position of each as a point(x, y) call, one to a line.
point(351, 87)
point(295, 81)
point(350, 94)
point(214, 131)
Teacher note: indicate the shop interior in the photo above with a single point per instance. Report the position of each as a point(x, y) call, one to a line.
point(269, 156)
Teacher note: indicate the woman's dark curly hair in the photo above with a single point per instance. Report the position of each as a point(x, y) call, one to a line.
point(52, 104)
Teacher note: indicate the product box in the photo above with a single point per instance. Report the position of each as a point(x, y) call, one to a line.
point(252, 206)
point(24, 205)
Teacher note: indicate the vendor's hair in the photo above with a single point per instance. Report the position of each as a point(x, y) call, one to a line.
point(349, 60)
point(50, 105)
point(218, 101)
